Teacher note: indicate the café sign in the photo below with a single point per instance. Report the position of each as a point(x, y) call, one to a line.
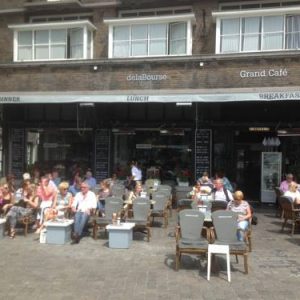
point(146, 77)
point(282, 72)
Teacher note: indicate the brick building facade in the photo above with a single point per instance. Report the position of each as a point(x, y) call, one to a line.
point(68, 81)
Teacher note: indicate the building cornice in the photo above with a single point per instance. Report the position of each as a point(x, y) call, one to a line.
point(219, 58)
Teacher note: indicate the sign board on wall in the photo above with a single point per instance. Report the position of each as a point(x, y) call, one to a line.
point(17, 152)
point(203, 151)
point(102, 150)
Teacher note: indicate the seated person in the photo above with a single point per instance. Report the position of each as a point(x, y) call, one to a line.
point(83, 205)
point(206, 181)
point(138, 189)
point(63, 199)
point(284, 185)
point(75, 187)
point(220, 175)
point(293, 192)
point(104, 192)
point(240, 206)
point(7, 199)
point(199, 190)
point(220, 193)
point(27, 203)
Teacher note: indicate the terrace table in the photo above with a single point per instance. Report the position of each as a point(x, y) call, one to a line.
point(2, 227)
point(58, 232)
point(120, 236)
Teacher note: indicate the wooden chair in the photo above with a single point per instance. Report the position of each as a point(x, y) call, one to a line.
point(278, 193)
point(160, 207)
point(141, 215)
point(112, 205)
point(188, 234)
point(224, 232)
point(218, 205)
point(290, 212)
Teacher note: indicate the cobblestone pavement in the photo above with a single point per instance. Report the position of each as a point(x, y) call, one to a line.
point(91, 270)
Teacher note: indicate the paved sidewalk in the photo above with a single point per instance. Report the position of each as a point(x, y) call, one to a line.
point(91, 270)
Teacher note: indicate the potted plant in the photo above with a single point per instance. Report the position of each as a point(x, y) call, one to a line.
point(183, 178)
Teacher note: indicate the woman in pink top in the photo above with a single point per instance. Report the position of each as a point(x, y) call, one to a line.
point(47, 194)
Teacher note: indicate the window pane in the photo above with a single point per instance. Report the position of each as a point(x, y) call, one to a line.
point(121, 33)
point(139, 32)
point(25, 53)
point(177, 31)
point(24, 38)
point(76, 43)
point(121, 49)
point(58, 52)
point(273, 41)
point(230, 26)
point(41, 52)
point(251, 25)
point(58, 36)
point(272, 33)
point(89, 44)
point(41, 37)
point(251, 34)
point(178, 47)
point(178, 38)
point(158, 47)
point(251, 42)
point(273, 23)
point(293, 32)
point(158, 31)
point(139, 48)
point(230, 44)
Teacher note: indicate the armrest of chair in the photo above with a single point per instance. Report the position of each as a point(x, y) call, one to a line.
point(208, 233)
point(177, 233)
point(212, 234)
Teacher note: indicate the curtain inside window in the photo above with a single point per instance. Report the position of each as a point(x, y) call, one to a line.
point(178, 38)
point(272, 33)
point(251, 34)
point(76, 43)
point(293, 32)
point(230, 35)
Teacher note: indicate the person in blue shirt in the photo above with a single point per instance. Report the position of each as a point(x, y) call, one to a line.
point(75, 188)
point(90, 180)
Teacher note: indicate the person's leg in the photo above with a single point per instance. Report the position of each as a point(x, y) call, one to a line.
point(12, 220)
point(81, 224)
point(77, 220)
point(243, 225)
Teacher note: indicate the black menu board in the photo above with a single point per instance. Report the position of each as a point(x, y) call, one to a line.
point(102, 149)
point(17, 152)
point(203, 145)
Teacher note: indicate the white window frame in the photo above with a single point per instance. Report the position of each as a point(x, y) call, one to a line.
point(240, 14)
point(188, 18)
point(84, 24)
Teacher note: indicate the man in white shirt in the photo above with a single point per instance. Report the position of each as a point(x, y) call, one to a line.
point(136, 172)
point(84, 202)
point(220, 193)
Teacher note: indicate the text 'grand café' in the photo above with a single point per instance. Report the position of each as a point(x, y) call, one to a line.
point(177, 85)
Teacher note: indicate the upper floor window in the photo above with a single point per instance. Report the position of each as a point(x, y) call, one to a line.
point(55, 41)
point(150, 36)
point(250, 32)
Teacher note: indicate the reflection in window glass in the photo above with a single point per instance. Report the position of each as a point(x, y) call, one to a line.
point(251, 34)
point(178, 38)
point(273, 32)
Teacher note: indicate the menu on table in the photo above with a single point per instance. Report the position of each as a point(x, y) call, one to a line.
point(102, 150)
point(203, 151)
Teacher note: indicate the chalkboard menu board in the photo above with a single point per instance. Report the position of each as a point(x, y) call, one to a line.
point(203, 146)
point(102, 150)
point(17, 152)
